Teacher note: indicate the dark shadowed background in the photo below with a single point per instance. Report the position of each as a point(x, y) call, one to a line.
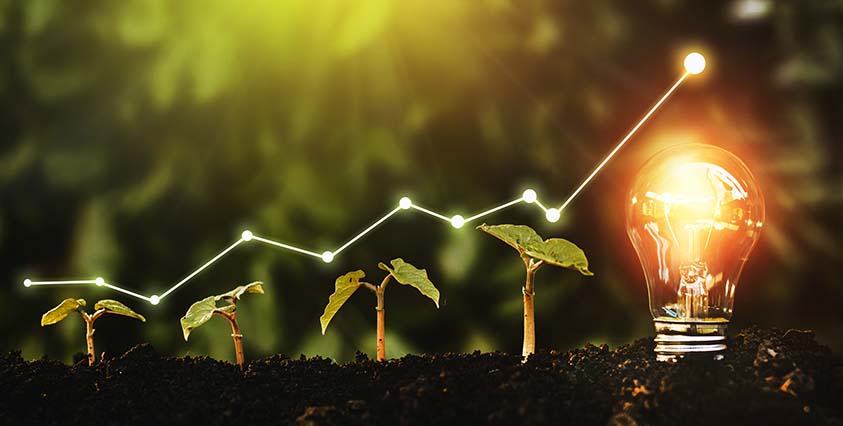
point(139, 138)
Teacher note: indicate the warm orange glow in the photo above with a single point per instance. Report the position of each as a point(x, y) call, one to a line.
point(693, 217)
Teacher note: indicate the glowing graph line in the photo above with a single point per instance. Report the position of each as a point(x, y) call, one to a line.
point(432, 213)
point(529, 196)
point(31, 283)
point(624, 140)
point(201, 268)
point(287, 246)
point(492, 210)
point(365, 231)
point(124, 291)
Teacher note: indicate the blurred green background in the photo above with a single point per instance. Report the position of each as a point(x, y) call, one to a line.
point(138, 138)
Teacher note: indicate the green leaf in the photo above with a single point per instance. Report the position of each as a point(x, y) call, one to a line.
point(228, 309)
point(115, 307)
point(198, 314)
point(233, 295)
point(344, 287)
point(560, 252)
point(61, 311)
point(519, 237)
point(408, 274)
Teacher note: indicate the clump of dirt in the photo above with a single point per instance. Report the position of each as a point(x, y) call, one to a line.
point(768, 377)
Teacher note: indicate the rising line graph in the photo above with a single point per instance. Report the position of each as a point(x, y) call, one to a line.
point(694, 64)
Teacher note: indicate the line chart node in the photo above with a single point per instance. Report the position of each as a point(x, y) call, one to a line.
point(405, 203)
point(552, 215)
point(694, 64)
point(529, 196)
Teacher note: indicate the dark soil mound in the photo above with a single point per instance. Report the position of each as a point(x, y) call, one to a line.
point(767, 378)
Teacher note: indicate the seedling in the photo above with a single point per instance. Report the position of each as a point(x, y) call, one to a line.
point(403, 272)
point(105, 306)
point(536, 252)
point(200, 312)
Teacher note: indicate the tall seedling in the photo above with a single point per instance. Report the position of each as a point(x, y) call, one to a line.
point(403, 272)
point(536, 252)
point(200, 312)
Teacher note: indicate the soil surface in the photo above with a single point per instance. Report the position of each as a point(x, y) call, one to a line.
point(768, 377)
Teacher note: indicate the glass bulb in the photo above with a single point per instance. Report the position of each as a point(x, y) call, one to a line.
point(694, 213)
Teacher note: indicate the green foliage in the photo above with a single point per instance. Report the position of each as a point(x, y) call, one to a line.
point(115, 307)
point(344, 287)
point(562, 253)
point(408, 274)
point(553, 251)
point(233, 295)
point(200, 312)
point(403, 272)
point(61, 311)
point(67, 306)
point(519, 237)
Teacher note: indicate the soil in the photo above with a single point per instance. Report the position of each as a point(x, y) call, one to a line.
point(768, 377)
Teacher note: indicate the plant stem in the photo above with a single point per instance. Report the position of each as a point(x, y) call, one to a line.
point(235, 335)
point(529, 293)
point(381, 318)
point(89, 325)
point(89, 334)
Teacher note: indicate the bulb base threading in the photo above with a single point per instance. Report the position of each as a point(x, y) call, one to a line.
point(680, 339)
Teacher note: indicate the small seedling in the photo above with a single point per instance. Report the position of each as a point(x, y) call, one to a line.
point(536, 252)
point(200, 312)
point(347, 284)
point(105, 306)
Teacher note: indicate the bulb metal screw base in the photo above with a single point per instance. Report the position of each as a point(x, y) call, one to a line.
point(680, 339)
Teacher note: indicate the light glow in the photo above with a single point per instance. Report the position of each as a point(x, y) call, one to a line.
point(692, 230)
point(694, 63)
point(552, 215)
point(327, 257)
point(247, 235)
point(457, 221)
point(405, 203)
point(529, 196)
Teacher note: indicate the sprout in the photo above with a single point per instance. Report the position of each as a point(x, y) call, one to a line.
point(403, 272)
point(200, 312)
point(105, 306)
point(535, 252)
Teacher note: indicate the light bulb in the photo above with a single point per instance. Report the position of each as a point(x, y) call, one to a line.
point(694, 213)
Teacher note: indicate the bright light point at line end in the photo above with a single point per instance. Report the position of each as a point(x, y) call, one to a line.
point(247, 235)
point(154, 299)
point(405, 203)
point(457, 221)
point(27, 282)
point(694, 63)
point(529, 196)
point(327, 257)
point(99, 281)
point(552, 215)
